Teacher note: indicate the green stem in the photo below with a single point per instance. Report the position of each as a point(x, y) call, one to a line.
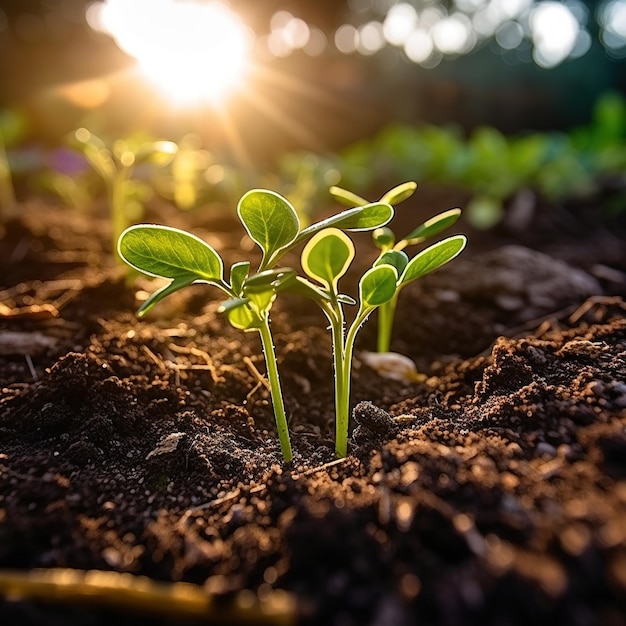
point(386, 314)
point(118, 206)
point(275, 389)
point(7, 193)
point(343, 403)
point(342, 385)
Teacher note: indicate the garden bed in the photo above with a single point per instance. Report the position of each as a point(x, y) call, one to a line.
point(492, 492)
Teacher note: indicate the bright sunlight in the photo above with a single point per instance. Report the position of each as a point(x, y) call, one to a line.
point(194, 52)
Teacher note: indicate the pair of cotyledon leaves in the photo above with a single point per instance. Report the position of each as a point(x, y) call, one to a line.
point(272, 223)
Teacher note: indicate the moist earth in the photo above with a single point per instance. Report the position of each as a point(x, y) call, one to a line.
point(490, 491)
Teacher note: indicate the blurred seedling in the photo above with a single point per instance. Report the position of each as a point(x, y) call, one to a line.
point(392, 250)
point(12, 127)
point(272, 223)
point(116, 165)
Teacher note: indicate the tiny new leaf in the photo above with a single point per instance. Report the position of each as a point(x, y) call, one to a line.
point(365, 217)
point(433, 226)
point(349, 198)
point(377, 286)
point(400, 193)
point(432, 258)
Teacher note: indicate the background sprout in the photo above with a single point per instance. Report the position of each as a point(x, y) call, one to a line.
point(392, 251)
point(11, 129)
point(116, 165)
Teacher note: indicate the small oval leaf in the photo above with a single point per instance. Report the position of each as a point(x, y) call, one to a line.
point(157, 296)
point(400, 193)
point(377, 285)
point(327, 256)
point(158, 152)
point(346, 197)
point(433, 226)
point(396, 258)
point(243, 318)
point(366, 217)
point(270, 220)
point(238, 274)
point(433, 257)
point(384, 238)
point(169, 253)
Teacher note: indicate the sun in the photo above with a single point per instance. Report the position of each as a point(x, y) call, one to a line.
point(193, 52)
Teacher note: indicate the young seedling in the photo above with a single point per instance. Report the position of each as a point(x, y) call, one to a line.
point(115, 165)
point(272, 223)
point(11, 129)
point(325, 259)
point(391, 249)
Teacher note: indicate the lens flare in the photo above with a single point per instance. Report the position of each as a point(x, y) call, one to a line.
point(192, 51)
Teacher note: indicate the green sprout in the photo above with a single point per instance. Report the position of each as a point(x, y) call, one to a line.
point(325, 259)
point(12, 126)
point(116, 165)
point(392, 251)
point(272, 223)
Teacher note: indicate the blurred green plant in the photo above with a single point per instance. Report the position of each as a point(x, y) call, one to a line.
point(12, 129)
point(198, 176)
point(490, 166)
point(116, 165)
point(301, 179)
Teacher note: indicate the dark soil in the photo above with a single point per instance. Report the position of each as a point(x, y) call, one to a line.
point(493, 492)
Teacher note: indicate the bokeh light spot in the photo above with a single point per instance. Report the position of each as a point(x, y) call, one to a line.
point(554, 31)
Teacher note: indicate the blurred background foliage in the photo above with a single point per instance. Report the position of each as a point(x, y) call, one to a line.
point(492, 96)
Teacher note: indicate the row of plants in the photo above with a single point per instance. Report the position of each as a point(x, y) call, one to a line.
point(490, 166)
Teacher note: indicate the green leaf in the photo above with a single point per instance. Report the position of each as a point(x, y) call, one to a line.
point(260, 301)
point(243, 318)
point(366, 217)
point(303, 287)
point(433, 226)
point(274, 279)
point(432, 258)
point(484, 212)
point(96, 153)
point(169, 253)
point(377, 286)
point(395, 258)
point(384, 238)
point(270, 220)
point(327, 256)
point(347, 197)
point(157, 296)
point(400, 193)
point(261, 289)
point(158, 152)
point(345, 299)
point(238, 274)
